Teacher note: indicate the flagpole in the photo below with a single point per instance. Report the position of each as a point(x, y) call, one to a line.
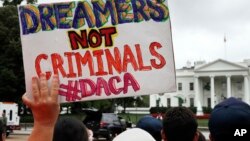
point(225, 48)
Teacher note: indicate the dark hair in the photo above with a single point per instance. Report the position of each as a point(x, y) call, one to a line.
point(179, 124)
point(70, 129)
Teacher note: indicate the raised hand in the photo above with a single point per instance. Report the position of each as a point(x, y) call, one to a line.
point(44, 106)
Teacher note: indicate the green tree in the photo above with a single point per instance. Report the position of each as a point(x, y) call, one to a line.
point(11, 2)
point(16, 2)
point(11, 65)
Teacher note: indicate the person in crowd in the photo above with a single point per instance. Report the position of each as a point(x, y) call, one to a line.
point(134, 134)
point(152, 125)
point(2, 135)
point(179, 124)
point(44, 106)
point(4, 120)
point(70, 129)
point(228, 120)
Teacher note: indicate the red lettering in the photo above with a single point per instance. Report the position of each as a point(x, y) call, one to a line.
point(140, 60)
point(87, 87)
point(57, 63)
point(84, 83)
point(70, 64)
point(92, 39)
point(38, 66)
point(108, 32)
point(112, 86)
point(83, 61)
point(129, 58)
point(114, 61)
point(102, 62)
point(101, 83)
point(95, 39)
point(98, 54)
point(152, 47)
point(76, 39)
point(129, 80)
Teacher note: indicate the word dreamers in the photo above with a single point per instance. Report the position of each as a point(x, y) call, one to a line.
point(96, 13)
point(78, 89)
point(100, 62)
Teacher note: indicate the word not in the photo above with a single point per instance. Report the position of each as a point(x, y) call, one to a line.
point(240, 132)
point(76, 90)
point(93, 39)
point(96, 13)
point(94, 60)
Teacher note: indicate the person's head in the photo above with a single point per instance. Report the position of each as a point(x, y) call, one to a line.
point(4, 113)
point(152, 125)
point(179, 124)
point(70, 129)
point(134, 134)
point(227, 117)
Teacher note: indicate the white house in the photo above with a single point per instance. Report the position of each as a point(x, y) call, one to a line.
point(206, 84)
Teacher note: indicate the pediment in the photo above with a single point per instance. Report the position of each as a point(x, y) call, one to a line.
point(220, 65)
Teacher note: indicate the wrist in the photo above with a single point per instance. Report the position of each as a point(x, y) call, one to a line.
point(42, 132)
point(44, 125)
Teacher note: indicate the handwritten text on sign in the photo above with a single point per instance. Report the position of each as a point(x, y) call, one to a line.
point(100, 49)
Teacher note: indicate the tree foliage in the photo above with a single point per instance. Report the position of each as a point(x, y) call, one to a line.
point(11, 2)
point(11, 65)
point(16, 2)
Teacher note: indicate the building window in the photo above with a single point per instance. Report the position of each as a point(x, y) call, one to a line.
point(191, 102)
point(179, 86)
point(10, 115)
point(180, 101)
point(191, 86)
point(239, 86)
point(209, 102)
point(168, 102)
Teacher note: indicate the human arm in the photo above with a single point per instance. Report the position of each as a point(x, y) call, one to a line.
point(44, 106)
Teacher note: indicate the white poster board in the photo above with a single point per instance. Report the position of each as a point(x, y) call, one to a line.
point(100, 49)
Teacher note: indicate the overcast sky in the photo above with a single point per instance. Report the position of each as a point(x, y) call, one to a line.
point(199, 27)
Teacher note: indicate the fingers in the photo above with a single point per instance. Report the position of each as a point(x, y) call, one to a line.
point(40, 89)
point(26, 100)
point(35, 89)
point(44, 92)
point(54, 88)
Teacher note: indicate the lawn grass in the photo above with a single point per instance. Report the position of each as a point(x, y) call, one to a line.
point(134, 118)
point(202, 122)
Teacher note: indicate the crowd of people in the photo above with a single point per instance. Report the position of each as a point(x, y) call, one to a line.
point(178, 124)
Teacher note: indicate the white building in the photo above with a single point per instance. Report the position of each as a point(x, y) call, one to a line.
point(206, 84)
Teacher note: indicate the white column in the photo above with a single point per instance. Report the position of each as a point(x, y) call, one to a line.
point(246, 93)
point(229, 86)
point(212, 91)
point(197, 97)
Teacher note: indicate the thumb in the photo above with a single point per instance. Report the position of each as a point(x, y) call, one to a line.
point(26, 100)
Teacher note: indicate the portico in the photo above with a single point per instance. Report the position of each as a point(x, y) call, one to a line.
point(207, 84)
point(219, 80)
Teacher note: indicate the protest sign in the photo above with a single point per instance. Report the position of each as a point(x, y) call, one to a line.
point(100, 49)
